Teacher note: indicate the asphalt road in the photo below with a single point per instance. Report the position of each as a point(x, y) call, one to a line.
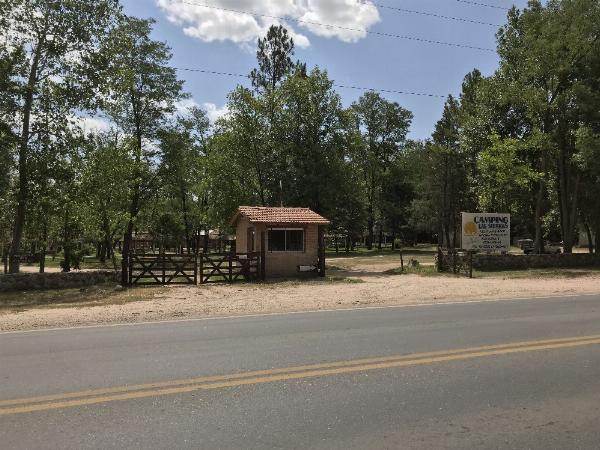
point(508, 374)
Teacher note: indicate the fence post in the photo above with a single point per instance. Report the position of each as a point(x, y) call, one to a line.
point(470, 263)
point(401, 260)
point(230, 264)
point(196, 269)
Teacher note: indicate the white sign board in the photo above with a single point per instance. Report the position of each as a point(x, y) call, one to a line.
point(488, 232)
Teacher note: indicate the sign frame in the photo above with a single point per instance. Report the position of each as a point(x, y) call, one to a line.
point(486, 232)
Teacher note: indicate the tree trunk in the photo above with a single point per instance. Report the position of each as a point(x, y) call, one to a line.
point(590, 239)
point(106, 245)
point(136, 199)
point(44, 246)
point(22, 193)
point(127, 238)
point(370, 225)
point(67, 243)
point(447, 235)
point(539, 205)
point(568, 187)
point(186, 222)
point(538, 243)
point(206, 240)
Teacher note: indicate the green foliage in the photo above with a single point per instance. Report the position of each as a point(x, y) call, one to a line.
point(140, 86)
point(382, 126)
point(45, 56)
point(504, 175)
point(182, 198)
point(140, 91)
point(548, 59)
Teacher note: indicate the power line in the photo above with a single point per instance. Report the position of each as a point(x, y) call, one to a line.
point(486, 5)
point(439, 16)
point(341, 86)
point(341, 27)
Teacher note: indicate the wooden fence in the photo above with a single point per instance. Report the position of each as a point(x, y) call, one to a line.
point(231, 267)
point(163, 269)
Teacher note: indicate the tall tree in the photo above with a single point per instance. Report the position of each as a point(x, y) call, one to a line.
point(384, 126)
point(545, 52)
point(141, 91)
point(183, 153)
point(314, 134)
point(274, 58)
point(56, 39)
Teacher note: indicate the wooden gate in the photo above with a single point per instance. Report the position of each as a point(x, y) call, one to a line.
point(163, 269)
point(229, 267)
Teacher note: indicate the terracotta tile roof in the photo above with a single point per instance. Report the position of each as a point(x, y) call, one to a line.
point(261, 214)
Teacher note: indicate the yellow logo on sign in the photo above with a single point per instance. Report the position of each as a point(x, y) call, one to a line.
point(471, 229)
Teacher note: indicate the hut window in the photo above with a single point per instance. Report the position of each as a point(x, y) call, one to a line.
point(295, 240)
point(286, 240)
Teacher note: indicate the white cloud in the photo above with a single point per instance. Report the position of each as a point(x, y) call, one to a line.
point(214, 112)
point(183, 107)
point(92, 124)
point(214, 24)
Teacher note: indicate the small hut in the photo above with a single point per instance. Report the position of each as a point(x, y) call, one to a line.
point(290, 239)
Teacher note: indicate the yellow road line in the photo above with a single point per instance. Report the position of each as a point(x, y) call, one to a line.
point(173, 383)
point(91, 397)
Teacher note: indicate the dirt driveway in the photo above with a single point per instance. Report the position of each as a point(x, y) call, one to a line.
point(353, 283)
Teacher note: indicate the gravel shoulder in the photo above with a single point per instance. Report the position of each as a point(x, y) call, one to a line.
point(355, 287)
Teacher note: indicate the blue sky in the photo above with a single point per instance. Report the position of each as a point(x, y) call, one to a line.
point(199, 40)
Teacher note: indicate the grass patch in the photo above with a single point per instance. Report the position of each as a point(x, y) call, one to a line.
point(424, 271)
point(337, 279)
point(103, 294)
point(348, 262)
point(419, 250)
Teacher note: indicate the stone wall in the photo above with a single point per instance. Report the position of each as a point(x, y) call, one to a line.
point(518, 262)
point(53, 280)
